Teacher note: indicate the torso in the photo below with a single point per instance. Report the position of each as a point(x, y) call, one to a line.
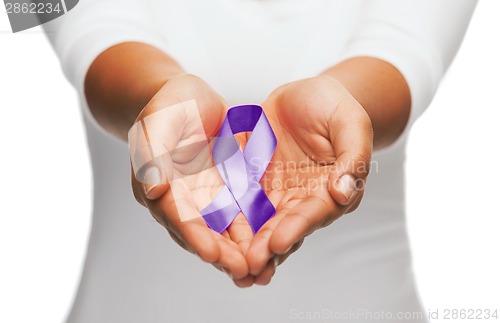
point(134, 272)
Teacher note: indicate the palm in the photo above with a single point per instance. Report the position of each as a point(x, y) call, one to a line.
point(172, 136)
point(309, 118)
point(297, 178)
point(193, 186)
point(316, 144)
point(194, 183)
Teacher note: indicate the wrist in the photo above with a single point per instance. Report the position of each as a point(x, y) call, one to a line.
point(122, 80)
point(381, 90)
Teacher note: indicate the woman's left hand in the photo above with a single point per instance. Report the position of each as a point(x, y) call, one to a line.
point(318, 171)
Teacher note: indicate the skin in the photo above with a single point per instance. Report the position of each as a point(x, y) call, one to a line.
point(329, 124)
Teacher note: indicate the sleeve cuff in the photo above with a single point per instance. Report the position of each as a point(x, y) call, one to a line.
point(405, 53)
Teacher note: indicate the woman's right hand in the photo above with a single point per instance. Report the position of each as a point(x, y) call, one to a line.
point(173, 174)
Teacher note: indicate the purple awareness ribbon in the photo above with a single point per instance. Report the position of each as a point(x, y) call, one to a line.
point(241, 171)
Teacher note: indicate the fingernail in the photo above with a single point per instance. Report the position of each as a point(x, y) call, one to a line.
point(347, 186)
point(152, 177)
point(275, 261)
point(288, 249)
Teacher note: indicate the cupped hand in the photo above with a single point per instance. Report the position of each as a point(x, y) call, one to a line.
point(173, 174)
point(318, 171)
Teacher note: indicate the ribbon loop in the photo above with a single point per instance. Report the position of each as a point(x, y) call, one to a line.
point(241, 171)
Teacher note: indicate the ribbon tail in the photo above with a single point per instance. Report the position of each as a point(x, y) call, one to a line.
point(221, 212)
point(256, 207)
point(220, 219)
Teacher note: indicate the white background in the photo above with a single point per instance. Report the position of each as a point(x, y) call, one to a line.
point(45, 180)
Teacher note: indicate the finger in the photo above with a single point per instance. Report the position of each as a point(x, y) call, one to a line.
point(148, 181)
point(354, 204)
point(181, 218)
point(244, 282)
point(190, 227)
point(230, 258)
point(351, 135)
point(295, 247)
point(259, 253)
point(200, 240)
point(151, 140)
point(241, 233)
point(213, 248)
point(267, 274)
point(302, 220)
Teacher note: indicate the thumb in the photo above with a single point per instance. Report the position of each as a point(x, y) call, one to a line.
point(171, 131)
point(351, 135)
point(152, 141)
point(150, 173)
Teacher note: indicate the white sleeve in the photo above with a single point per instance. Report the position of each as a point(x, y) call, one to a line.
point(93, 26)
point(418, 37)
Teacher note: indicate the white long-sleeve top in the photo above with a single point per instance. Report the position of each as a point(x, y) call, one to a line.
point(356, 269)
